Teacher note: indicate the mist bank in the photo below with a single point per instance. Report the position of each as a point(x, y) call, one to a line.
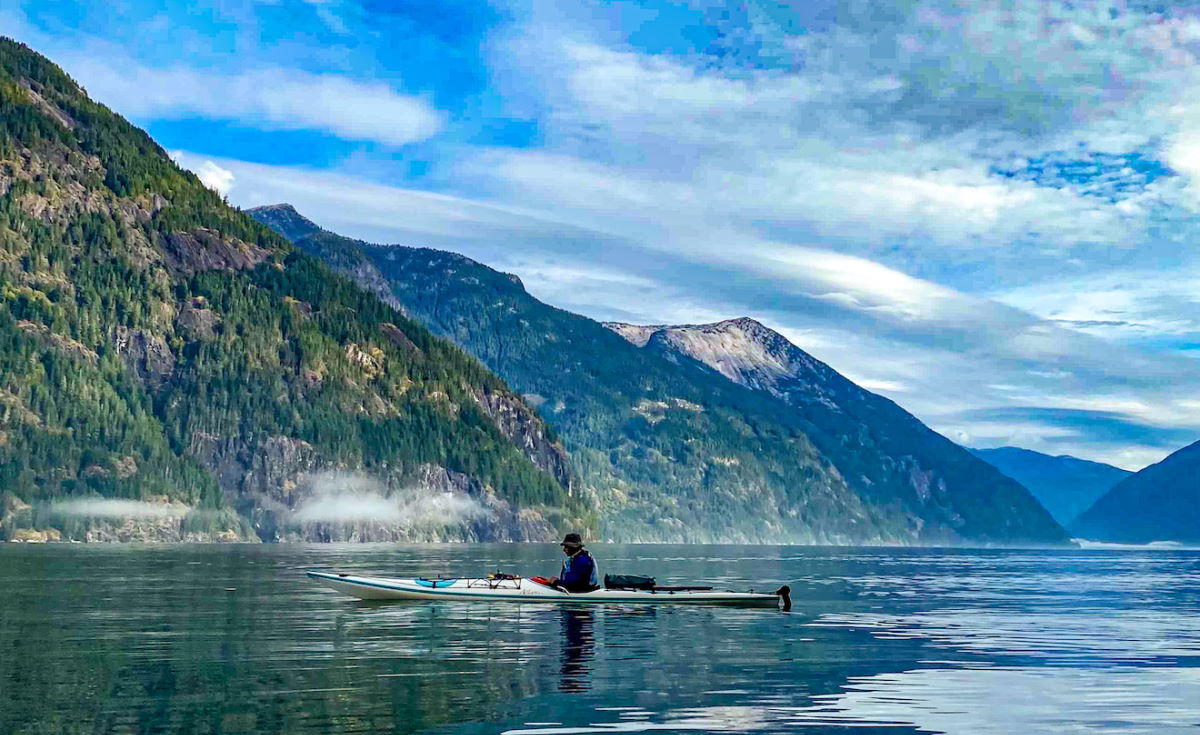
point(325, 506)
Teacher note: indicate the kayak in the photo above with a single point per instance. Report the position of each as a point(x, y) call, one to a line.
point(524, 589)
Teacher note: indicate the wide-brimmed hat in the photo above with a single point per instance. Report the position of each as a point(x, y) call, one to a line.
point(572, 539)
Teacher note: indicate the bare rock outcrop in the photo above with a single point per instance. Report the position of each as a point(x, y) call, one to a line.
point(196, 321)
point(520, 425)
point(204, 249)
point(146, 354)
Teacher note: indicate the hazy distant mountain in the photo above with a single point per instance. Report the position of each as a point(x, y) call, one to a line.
point(1065, 485)
point(885, 453)
point(672, 449)
point(1159, 503)
point(170, 364)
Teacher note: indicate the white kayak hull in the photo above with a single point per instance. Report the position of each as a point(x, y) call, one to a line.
point(526, 590)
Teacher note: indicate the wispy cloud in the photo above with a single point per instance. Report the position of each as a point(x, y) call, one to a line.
point(256, 95)
point(342, 497)
point(279, 99)
point(111, 508)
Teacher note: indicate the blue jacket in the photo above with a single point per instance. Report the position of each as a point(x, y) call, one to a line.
point(579, 573)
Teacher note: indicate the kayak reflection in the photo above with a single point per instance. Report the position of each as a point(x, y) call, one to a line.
point(578, 628)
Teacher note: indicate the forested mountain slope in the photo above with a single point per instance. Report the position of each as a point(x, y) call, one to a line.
point(1159, 503)
point(885, 454)
point(1065, 485)
point(160, 347)
point(671, 448)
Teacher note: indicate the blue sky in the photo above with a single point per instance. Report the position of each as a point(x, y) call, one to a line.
point(986, 211)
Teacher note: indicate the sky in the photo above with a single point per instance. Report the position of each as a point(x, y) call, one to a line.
point(985, 211)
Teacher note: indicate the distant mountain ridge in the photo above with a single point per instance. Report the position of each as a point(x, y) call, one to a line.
point(1158, 503)
point(1065, 485)
point(678, 445)
point(885, 453)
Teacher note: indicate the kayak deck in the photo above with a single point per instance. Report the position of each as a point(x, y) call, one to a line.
point(526, 590)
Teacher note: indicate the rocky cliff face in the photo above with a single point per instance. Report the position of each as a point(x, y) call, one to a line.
point(884, 453)
point(524, 428)
point(746, 352)
point(289, 492)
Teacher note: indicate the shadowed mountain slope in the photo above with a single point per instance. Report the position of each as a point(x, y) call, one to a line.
point(1159, 503)
point(1065, 485)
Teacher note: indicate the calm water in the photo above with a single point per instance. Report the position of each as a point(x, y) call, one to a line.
point(233, 639)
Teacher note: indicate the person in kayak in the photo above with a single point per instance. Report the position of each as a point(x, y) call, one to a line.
point(579, 570)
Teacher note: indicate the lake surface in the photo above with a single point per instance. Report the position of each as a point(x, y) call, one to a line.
point(234, 639)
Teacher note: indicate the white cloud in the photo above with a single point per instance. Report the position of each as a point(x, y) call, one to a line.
point(344, 497)
point(211, 175)
point(1126, 305)
point(880, 386)
point(647, 146)
point(255, 95)
point(279, 99)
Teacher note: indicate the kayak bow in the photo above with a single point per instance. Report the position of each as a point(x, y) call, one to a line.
point(527, 590)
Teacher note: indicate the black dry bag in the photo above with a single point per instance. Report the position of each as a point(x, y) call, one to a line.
point(628, 582)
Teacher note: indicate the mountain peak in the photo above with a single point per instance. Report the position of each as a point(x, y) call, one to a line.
point(751, 328)
point(640, 334)
point(1158, 503)
point(742, 349)
point(284, 219)
point(742, 322)
point(282, 206)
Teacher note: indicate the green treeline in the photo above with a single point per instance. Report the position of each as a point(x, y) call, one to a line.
point(141, 315)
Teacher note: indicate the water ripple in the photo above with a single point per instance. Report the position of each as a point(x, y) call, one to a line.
point(204, 639)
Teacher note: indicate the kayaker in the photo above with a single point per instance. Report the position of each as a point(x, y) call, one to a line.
point(579, 570)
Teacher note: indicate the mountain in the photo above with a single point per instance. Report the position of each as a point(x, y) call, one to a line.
point(1065, 485)
point(669, 454)
point(884, 453)
point(284, 219)
point(672, 448)
point(1159, 503)
point(170, 368)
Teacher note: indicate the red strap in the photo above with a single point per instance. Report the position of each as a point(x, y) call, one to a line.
point(540, 580)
